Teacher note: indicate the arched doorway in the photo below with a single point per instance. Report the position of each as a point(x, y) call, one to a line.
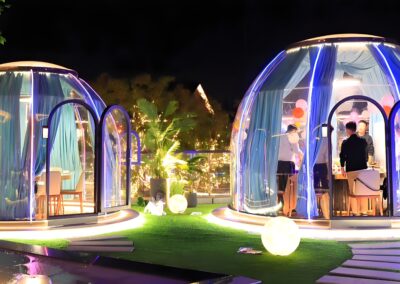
point(369, 112)
point(71, 164)
point(115, 159)
point(394, 157)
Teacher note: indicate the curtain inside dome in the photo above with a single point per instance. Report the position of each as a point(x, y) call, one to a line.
point(14, 160)
point(323, 62)
point(259, 158)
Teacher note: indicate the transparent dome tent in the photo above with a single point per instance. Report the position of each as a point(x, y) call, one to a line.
point(314, 84)
point(63, 152)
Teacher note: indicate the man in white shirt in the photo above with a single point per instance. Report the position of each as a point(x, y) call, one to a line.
point(288, 148)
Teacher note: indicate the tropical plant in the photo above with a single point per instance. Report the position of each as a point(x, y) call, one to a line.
point(162, 133)
point(192, 171)
point(212, 128)
point(177, 187)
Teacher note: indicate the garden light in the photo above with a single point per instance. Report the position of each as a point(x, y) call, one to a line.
point(280, 236)
point(177, 204)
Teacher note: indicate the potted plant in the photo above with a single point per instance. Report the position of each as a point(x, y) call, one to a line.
point(161, 139)
point(194, 169)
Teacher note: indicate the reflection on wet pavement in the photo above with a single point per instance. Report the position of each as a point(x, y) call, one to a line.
point(13, 266)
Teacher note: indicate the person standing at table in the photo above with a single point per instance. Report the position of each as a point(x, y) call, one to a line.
point(353, 157)
point(288, 148)
point(362, 133)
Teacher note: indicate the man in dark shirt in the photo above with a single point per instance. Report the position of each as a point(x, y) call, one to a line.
point(362, 133)
point(353, 153)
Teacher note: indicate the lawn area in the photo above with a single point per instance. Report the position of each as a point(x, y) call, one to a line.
point(192, 242)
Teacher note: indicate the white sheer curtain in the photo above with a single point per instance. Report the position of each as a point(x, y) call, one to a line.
point(361, 64)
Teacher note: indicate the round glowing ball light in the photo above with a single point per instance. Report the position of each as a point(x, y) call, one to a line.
point(280, 236)
point(177, 204)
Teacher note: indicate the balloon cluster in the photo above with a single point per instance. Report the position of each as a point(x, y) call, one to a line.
point(299, 112)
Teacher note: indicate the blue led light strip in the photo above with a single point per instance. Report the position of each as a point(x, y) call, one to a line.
point(308, 164)
point(32, 175)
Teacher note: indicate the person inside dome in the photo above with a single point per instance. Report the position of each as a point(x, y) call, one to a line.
point(362, 133)
point(288, 150)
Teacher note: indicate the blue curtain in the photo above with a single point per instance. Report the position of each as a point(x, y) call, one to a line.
point(324, 62)
point(47, 94)
point(363, 65)
point(261, 145)
point(65, 150)
point(14, 155)
point(388, 61)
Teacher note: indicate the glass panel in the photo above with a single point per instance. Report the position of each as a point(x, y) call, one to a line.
point(114, 191)
point(15, 146)
point(357, 192)
point(396, 163)
point(260, 123)
point(72, 161)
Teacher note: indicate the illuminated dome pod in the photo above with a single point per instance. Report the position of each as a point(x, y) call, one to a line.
point(63, 153)
point(314, 84)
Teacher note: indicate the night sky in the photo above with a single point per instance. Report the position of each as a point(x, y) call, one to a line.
point(221, 44)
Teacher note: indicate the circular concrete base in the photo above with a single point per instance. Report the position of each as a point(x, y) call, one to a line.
point(69, 228)
point(382, 228)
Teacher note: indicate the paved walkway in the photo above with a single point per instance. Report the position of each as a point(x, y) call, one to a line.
point(372, 263)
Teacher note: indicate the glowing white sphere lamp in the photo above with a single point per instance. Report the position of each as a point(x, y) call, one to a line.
point(177, 204)
point(280, 236)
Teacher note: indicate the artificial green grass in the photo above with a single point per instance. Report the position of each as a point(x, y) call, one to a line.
point(192, 242)
point(56, 243)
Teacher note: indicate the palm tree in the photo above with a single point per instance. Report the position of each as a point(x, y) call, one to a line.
point(161, 139)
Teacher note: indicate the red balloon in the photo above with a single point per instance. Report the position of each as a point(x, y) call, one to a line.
point(387, 110)
point(298, 112)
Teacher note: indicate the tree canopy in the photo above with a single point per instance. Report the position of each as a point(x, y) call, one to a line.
point(212, 127)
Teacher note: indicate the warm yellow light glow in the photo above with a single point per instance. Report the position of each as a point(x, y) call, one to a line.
point(75, 232)
point(177, 204)
point(235, 222)
point(280, 236)
point(267, 210)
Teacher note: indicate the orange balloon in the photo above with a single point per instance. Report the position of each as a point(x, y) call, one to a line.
point(236, 124)
point(298, 112)
point(387, 110)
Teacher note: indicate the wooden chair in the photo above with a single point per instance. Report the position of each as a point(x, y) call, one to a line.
point(55, 193)
point(41, 196)
point(78, 191)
